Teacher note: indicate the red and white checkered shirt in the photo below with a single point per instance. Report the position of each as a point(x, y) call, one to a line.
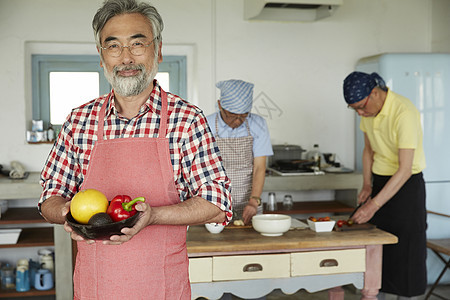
point(197, 166)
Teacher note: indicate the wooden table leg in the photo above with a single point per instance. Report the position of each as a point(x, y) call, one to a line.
point(372, 276)
point(336, 293)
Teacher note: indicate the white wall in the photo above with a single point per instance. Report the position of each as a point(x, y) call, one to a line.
point(298, 66)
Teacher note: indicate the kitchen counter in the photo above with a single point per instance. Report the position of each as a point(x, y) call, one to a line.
point(200, 242)
point(346, 187)
point(12, 189)
point(355, 258)
point(327, 181)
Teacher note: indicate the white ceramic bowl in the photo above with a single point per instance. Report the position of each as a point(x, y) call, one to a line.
point(271, 224)
point(321, 226)
point(214, 227)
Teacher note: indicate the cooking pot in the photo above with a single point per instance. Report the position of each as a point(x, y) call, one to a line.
point(285, 152)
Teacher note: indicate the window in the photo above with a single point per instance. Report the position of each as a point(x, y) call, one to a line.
point(62, 82)
point(56, 82)
point(173, 70)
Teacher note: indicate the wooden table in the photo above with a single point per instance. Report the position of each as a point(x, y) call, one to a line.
point(249, 265)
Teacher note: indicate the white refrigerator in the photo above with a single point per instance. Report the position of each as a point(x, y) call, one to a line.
point(424, 78)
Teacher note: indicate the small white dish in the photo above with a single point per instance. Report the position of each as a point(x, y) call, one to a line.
point(271, 224)
point(214, 227)
point(321, 226)
point(9, 236)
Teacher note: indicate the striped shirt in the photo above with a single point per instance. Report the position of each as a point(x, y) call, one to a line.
point(197, 165)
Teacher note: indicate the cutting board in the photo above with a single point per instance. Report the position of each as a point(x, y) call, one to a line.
point(295, 224)
point(232, 226)
point(364, 226)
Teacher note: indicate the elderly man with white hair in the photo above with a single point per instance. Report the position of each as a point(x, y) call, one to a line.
point(244, 143)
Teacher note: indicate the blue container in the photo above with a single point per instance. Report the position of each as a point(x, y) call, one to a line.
point(43, 280)
point(22, 279)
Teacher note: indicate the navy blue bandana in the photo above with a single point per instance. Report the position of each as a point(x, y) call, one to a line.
point(358, 86)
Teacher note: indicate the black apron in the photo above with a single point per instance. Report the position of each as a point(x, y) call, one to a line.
point(404, 215)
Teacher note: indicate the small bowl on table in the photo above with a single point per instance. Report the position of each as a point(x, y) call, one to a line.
point(101, 232)
point(271, 224)
point(321, 226)
point(214, 227)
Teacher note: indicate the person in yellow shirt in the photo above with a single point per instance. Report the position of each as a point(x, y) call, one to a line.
point(393, 189)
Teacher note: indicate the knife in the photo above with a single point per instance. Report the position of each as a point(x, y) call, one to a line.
point(359, 205)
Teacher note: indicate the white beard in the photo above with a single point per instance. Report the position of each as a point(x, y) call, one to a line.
point(132, 85)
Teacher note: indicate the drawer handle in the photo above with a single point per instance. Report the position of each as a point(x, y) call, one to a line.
point(329, 263)
point(252, 268)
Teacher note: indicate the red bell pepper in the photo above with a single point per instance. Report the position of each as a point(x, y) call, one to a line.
point(122, 207)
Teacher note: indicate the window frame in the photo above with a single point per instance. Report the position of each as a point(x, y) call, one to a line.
point(43, 64)
point(175, 65)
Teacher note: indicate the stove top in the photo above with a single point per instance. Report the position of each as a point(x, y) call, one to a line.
point(294, 172)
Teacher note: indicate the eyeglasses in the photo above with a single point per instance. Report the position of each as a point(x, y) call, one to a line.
point(232, 117)
point(362, 107)
point(137, 47)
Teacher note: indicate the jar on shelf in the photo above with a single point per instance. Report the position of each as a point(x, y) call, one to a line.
point(8, 280)
point(50, 133)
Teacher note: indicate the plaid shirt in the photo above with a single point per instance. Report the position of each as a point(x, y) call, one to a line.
point(197, 166)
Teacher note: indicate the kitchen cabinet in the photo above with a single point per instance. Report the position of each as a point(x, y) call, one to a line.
point(249, 265)
point(346, 187)
point(244, 267)
point(36, 236)
point(29, 237)
point(328, 262)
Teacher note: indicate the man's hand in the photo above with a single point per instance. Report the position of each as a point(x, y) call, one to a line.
point(248, 213)
point(365, 212)
point(143, 221)
point(73, 235)
point(55, 209)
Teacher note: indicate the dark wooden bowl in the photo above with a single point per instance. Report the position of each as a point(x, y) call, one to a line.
point(100, 232)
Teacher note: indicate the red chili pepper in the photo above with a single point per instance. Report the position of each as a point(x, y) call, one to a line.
point(121, 207)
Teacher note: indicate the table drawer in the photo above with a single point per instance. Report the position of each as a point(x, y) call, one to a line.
point(251, 267)
point(328, 262)
point(200, 269)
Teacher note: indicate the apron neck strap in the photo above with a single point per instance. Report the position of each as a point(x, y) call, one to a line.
point(164, 113)
point(162, 120)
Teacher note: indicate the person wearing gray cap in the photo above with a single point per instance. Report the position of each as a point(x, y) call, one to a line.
point(244, 143)
point(393, 192)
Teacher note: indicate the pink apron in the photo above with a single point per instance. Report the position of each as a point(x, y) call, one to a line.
point(154, 263)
